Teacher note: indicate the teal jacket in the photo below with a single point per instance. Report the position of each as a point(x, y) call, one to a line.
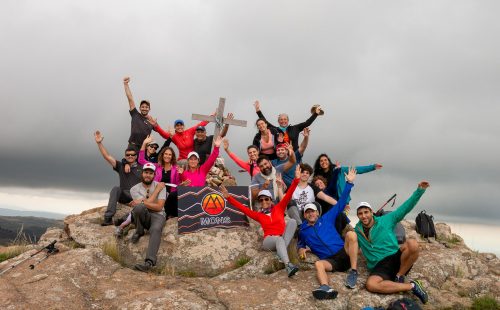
point(341, 178)
point(382, 241)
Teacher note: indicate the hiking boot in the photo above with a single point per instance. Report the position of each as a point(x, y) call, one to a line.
point(107, 221)
point(399, 279)
point(135, 238)
point(324, 292)
point(118, 232)
point(418, 290)
point(291, 269)
point(144, 267)
point(351, 279)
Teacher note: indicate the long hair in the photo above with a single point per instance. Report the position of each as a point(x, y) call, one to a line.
point(317, 167)
point(173, 161)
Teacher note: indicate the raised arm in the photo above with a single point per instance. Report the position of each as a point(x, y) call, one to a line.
point(330, 200)
point(226, 126)
point(291, 158)
point(259, 113)
point(98, 139)
point(305, 141)
point(232, 201)
point(128, 93)
point(410, 203)
point(163, 133)
point(289, 193)
point(236, 159)
point(207, 165)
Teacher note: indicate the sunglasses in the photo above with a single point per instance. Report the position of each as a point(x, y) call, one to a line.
point(130, 155)
point(264, 199)
point(153, 146)
point(147, 194)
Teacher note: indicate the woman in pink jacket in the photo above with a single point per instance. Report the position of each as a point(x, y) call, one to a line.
point(195, 174)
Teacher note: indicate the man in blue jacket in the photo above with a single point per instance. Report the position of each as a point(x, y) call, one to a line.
point(321, 237)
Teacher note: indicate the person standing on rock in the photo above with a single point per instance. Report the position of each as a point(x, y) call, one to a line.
point(140, 126)
point(387, 262)
point(277, 233)
point(148, 201)
point(120, 193)
point(320, 236)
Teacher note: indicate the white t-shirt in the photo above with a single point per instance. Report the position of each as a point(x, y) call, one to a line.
point(303, 196)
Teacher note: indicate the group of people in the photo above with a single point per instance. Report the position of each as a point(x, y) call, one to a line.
point(291, 198)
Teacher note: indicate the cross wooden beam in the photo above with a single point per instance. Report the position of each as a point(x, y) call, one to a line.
point(219, 119)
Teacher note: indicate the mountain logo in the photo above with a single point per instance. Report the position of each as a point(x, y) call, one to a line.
point(213, 204)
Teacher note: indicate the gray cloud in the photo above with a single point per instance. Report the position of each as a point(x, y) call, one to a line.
point(410, 85)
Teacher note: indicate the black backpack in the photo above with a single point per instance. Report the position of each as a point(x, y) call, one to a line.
point(425, 225)
point(404, 304)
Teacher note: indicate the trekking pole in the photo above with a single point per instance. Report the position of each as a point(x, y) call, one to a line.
point(50, 246)
point(389, 200)
point(51, 251)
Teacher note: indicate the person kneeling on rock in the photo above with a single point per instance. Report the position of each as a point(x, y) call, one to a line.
point(277, 234)
point(321, 237)
point(387, 262)
point(148, 199)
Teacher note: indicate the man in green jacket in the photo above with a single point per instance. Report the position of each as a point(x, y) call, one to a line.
point(387, 262)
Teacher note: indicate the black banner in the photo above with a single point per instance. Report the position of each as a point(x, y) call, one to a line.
point(204, 207)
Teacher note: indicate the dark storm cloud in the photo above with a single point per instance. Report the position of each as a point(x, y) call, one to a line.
point(410, 85)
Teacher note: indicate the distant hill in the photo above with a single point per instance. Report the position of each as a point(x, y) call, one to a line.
point(50, 215)
point(32, 227)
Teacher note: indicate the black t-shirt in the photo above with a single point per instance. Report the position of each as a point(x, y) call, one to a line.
point(139, 127)
point(203, 148)
point(128, 180)
point(165, 177)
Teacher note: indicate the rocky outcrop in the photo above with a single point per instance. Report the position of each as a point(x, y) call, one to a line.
point(220, 269)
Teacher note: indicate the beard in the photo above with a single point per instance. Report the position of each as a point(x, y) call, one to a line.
point(147, 182)
point(267, 171)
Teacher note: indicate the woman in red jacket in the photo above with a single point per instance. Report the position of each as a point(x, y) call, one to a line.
point(277, 233)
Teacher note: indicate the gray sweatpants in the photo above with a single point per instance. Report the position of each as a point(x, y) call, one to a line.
point(280, 243)
point(153, 222)
point(293, 212)
point(116, 195)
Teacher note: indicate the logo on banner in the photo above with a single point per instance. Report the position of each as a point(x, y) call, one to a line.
point(213, 204)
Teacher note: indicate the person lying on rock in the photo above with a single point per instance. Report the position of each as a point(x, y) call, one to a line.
point(320, 236)
point(387, 262)
point(148, 201)
point(277, 233)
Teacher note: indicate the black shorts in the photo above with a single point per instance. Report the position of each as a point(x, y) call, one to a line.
point(340, 261)
point(388, 267)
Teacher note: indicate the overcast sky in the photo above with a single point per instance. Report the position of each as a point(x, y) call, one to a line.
point(413, 85)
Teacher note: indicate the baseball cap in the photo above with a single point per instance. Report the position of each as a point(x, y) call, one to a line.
point(202, 128)
point(179, 121)
point(265, 193)
point(193, 154)
point(310, 206)
point(149, 166)
point(153, 143)
point(364, 204)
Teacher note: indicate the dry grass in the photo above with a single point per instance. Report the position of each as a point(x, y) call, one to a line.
point(111, 248)
point(12, 251)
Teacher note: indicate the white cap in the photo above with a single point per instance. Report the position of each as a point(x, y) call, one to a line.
point(364, 204)
point(266, 193)
point(193, 154)
point(310, 206)
point(149, 166)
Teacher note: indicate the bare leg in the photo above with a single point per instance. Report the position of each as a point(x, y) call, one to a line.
point(376, 284)
point(322, 266)
point(351, 248)
point(409, 255)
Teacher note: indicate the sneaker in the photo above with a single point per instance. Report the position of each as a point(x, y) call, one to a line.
point(291, 269)
point(325, 292)
point(399, 279)
point(135, 238)
point(351, 279)
point(107, 221)
point(144, 267)
point(118, 232)
point(419, 291)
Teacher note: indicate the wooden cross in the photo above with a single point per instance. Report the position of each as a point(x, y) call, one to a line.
point(219, 119)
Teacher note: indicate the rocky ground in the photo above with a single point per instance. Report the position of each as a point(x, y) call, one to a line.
point(218, 269)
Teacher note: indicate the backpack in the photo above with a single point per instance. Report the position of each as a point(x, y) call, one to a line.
point(404, 304)
point(425, 225)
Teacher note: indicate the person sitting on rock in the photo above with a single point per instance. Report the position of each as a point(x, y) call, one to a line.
point(266, 178)
point(120, 193)
point(277, 233)
point(290, 132)
point(148, 201)
point(320, 236)
point(306, 193)
point(387, 262)
point(250, 166)
point(282, 157)
point(195, 175)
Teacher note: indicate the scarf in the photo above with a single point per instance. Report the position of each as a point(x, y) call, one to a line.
point(272, 177)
